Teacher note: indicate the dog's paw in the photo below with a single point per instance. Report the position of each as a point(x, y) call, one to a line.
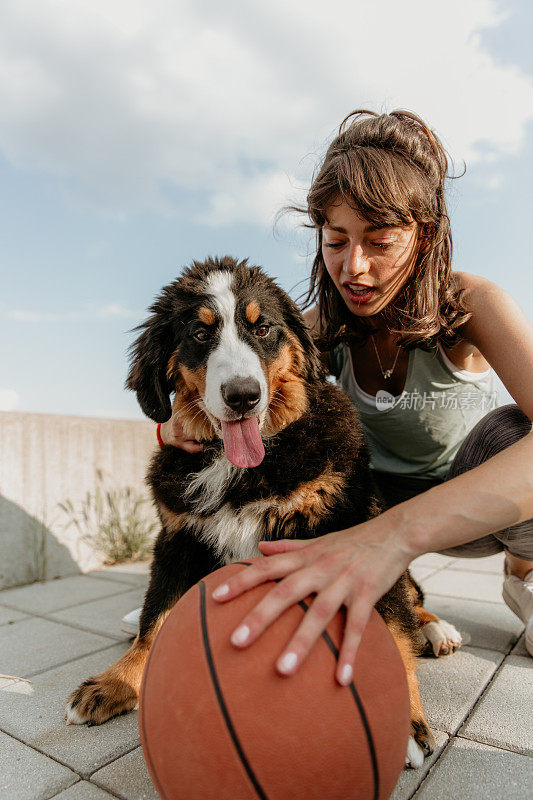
point(441, 637)
point(421, 744)
point(98, 699)
point(415, 755)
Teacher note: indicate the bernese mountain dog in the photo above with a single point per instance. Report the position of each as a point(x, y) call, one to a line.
point(283, 456)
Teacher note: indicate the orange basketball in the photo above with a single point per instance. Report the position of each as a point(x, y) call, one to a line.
point(217, 723)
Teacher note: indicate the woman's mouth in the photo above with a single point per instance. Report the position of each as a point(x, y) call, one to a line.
point(359, 293)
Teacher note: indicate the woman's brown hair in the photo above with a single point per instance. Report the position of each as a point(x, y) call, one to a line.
point(390, 168)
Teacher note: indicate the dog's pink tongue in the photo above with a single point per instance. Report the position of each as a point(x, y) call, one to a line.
point(242, 442)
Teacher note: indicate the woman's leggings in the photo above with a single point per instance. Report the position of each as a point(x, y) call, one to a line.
point(496, 431)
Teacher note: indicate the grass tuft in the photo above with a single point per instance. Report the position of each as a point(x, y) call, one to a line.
point(113, 522)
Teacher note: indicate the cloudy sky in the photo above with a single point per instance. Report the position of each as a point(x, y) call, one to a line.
point(136, 136)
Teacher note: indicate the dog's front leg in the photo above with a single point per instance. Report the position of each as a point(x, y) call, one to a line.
point(113, 692)
point(180, 560)
point(421, 741)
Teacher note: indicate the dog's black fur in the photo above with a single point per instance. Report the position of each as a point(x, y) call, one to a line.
point(327, 436)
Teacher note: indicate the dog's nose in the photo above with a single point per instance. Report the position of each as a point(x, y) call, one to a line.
point(241, 394)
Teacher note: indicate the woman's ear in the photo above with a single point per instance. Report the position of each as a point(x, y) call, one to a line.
point(150, 355)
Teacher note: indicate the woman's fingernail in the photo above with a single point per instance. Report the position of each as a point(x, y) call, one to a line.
point(346, 674)
point(221, 591)
point(287, 662)
point(240, 635)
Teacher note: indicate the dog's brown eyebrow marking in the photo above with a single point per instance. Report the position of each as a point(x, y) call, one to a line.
point(253, 311)
point(206, 315)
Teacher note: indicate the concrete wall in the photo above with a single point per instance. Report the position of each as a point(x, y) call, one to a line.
point(45, 460)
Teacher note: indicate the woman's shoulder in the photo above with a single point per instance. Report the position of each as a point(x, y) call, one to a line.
point(481, 297)
point(474, 287)
point(500, 330)
point(465, 354)
point(478, 294)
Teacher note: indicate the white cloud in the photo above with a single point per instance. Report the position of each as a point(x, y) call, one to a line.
point(116, 310)
point(206, 109)
point(249, 199)
point(108, 311)
point(32, 316)
point(9, 399)
point(492, 182)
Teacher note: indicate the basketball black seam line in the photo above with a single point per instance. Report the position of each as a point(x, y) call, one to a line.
point(355, 695)
point(360, 707)
point(220, 697)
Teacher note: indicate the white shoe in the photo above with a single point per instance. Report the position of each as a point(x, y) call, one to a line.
point(518, 595)
point(130, 623)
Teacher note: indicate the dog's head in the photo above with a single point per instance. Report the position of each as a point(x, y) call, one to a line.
point(235, 350)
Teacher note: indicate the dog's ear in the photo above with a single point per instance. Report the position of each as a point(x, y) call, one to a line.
point(149, 357)
point(313, 368)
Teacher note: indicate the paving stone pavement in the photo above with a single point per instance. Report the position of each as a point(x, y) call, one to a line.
point(55, 634)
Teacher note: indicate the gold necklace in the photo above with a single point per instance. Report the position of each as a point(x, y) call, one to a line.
point(387, 373)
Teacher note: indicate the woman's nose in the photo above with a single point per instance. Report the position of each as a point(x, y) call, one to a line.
point(355, 263)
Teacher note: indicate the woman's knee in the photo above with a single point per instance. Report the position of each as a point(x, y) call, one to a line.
point(509, 417)
point(497, 430)
point(487, 546)
point(518, 540)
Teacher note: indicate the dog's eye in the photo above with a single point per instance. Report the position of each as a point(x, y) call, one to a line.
point(201, 335)
point(262, 331)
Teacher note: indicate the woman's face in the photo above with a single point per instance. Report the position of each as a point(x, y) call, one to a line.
point(367, 265)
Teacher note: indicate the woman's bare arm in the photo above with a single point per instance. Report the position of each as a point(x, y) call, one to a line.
point(498, 493)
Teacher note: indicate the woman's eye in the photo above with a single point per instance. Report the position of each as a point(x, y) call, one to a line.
point(382, 245)
point(334, 245)
point(201, 335)
point(262, 331)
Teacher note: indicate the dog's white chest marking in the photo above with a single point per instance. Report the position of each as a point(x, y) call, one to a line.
point(207, 488)
point(232, 533)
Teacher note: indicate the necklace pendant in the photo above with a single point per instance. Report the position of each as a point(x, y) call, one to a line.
point(387, 373)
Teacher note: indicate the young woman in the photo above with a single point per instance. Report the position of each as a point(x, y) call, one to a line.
point(414, 345)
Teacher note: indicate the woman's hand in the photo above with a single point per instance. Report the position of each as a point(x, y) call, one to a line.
point(171, 432)
point(353, 568)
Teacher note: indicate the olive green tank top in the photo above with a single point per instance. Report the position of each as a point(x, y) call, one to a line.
point(418, 432)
